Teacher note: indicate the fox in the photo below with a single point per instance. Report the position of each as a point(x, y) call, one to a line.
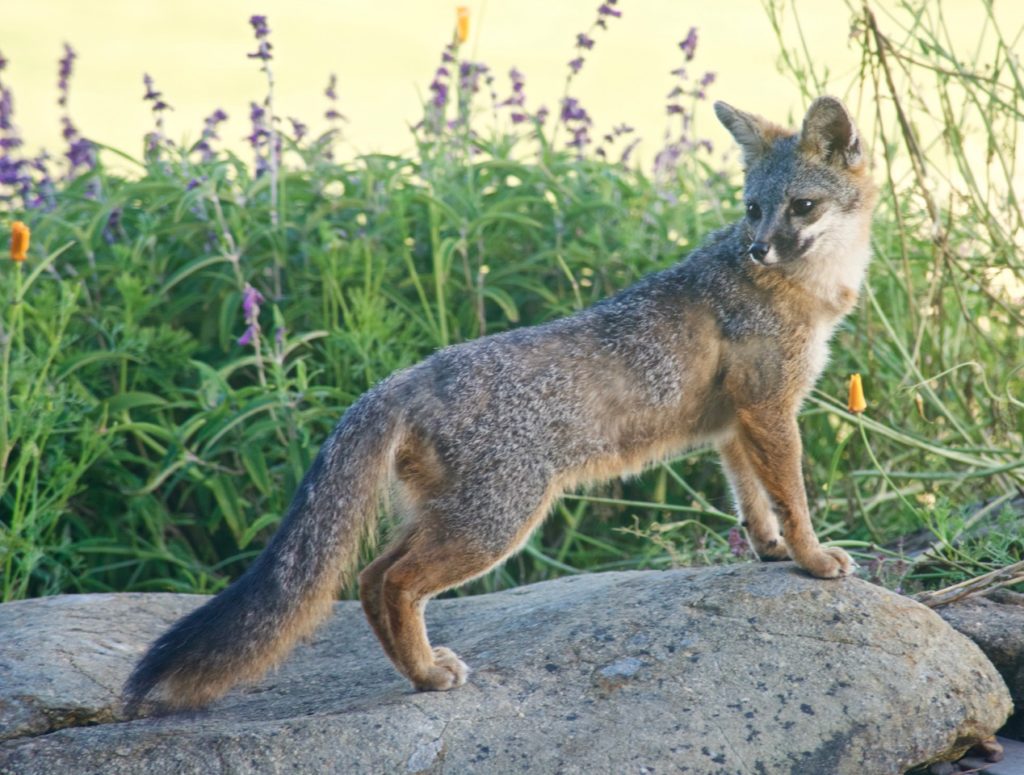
point(479, 440)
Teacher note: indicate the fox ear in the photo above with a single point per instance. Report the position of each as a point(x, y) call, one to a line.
point(829, 133)
point(753, 133)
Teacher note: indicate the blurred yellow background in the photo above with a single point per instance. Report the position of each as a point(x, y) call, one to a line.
point(385, 52)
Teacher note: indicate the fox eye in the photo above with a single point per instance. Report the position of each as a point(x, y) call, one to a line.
point(753, 211)
point(802, 206)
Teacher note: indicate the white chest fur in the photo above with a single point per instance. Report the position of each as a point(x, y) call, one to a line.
point(817, 350)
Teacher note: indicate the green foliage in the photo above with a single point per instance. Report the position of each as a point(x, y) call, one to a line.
point(143, 447)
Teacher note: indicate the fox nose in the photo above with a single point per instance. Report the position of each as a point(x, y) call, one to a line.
point(758, 250)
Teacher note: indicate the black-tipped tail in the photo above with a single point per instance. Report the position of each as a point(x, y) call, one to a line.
point(288, 591)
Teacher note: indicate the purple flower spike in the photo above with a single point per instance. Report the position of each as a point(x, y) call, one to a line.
point(251, 300)
point(260, 28)
point(689, 44)
point(66, 67)
point(151, 93)
point(6, 108)
point(298, 128)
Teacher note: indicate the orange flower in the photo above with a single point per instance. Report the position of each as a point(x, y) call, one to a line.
point(856, 403)
point(20, 234)
point(462, 23)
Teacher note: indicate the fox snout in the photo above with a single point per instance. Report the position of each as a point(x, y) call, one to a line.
point(759, 251)
point(764, 238)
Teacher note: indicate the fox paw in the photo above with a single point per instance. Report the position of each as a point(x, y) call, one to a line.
point(770, 551)
point(447, 672)
point(827, 563)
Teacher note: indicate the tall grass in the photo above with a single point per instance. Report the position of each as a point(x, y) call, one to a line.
point(183, 338)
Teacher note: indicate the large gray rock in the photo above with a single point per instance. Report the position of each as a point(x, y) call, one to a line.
point(996, 623)
point(740, 669)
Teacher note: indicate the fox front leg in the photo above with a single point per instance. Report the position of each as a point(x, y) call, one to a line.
point(752, 502)
point(770, 441)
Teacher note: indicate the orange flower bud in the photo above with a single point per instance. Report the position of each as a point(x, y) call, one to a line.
point(20, 234)
point(856, 403)
point(462, 23)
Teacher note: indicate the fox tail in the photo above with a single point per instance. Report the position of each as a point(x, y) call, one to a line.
point(287, 591)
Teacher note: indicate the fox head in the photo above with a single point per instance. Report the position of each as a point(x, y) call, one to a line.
point(808, 194)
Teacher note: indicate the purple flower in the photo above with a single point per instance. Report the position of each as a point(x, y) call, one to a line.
point(518, 97)
point(576, 64)
point(66, 67)
point(469, 76)
point(152, 95)
point(607, 10)
point(210, 133)
point(10, 171)
point(251, 300)
point(440, 90)
point(573, 111)
point(580, 138)
point(689, 44)
point(112, 229)
point(6, 108)
point(298, 128)
point(707, 79)
point(81, 153)
point(584, 41)
point(259, 134)
point(577, 121)
point(331, 91)
point(260, 28)
point(628, 151)
point(211, 121)
point(738, 544)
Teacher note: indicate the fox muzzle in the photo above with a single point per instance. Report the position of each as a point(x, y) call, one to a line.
point(759, 251)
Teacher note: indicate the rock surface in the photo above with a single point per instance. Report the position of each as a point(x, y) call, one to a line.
point(739, 669)
point(996, 623)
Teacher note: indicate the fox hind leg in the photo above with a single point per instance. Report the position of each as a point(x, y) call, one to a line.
point(434, 554)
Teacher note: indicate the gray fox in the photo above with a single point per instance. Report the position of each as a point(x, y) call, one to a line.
point(482, 437)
